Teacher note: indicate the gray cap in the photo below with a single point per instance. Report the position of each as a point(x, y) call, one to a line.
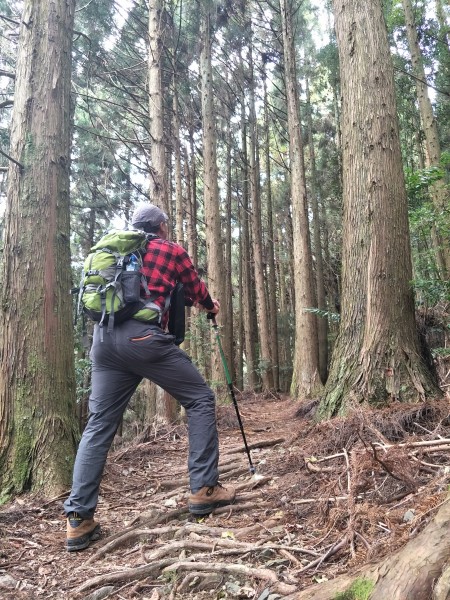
point(148, 213)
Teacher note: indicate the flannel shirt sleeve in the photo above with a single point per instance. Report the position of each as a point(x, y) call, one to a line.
point(194, 288)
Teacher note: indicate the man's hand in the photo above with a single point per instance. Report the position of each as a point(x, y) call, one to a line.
point(216, 308)
point(213, 311)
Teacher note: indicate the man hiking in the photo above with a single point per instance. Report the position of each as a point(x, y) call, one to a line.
point(134, 350)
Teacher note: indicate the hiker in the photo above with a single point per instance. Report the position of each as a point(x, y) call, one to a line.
point(120, 359)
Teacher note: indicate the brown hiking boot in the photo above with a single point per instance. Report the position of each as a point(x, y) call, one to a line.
point(208, 498)
point(80, 532)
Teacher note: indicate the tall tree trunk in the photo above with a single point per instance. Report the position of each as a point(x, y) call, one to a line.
point(271, 278)
point(377, 356)
point(262, 318)
point(438, 190)
point(306, 380)
point(246, 259)
point(191, 219)
point(166, 406)
point(37, 380)
point(214, 248)
point(179, 209)
point(322, 321)
point(227, 304)
point(158, 175)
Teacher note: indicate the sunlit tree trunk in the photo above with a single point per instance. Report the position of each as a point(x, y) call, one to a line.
point(158, 175)
point(214, 246)
point(191, 219)
point(179, 209)
point(271, 269)
point(246, 259)
point(305, 380)
point(377, 357)
point(262, 317)
point(227, 303)
point(322, 321)
point(37, 380)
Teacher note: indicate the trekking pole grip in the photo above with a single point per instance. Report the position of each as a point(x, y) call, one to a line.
point(212, 317)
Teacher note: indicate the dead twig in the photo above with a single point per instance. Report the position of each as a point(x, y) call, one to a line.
point(316, 563)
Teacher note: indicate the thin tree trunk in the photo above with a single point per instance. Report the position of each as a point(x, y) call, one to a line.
point(166, 406)
point(214, 247)
point(265, 359)
point(246, 291)
point(37, 379)
point(322, 321)
point(306, 380)
point(271, 278)
point(179, 212)
point(227, 304)
point(158, 174)
point(191, 217)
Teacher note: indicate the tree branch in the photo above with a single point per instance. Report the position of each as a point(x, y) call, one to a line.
point(5, 18)
point(21, 167)
point(7, 74)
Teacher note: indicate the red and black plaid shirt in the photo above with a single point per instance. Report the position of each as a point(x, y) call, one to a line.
point(166, 263)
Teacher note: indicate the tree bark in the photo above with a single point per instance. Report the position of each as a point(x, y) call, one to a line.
point(305, 381)
point(265, 359)
point(214, 246)
point(271, 268)
point(322, 321)
point(37, 379)
point(377, 355)
point(246, 260)
point(166, 406)
point(158, 175)
point(227, 304)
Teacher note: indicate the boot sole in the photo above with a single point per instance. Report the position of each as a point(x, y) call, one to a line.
point(205, 509)
point(83, 541)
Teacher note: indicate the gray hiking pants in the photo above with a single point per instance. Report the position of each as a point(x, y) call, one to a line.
point(135, 350)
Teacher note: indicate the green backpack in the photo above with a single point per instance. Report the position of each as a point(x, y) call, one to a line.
point(112, 287)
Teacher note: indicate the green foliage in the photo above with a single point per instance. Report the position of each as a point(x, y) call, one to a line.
point(359, 590)
point(82, 370)
point(418, 183)
point(425, 219)
point(431, 292)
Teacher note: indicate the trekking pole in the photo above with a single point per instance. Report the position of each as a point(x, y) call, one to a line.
point(230, 387)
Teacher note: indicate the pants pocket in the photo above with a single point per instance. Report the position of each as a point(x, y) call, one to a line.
point(142, 338)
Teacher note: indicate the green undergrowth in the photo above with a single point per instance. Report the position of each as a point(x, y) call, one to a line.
point(360, 589)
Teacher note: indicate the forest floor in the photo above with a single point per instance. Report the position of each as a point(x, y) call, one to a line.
point(328, 498)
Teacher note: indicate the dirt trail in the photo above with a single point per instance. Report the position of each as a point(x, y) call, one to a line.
point(302, 521)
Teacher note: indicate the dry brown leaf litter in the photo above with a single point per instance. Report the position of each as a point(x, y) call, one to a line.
point(332, 496)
